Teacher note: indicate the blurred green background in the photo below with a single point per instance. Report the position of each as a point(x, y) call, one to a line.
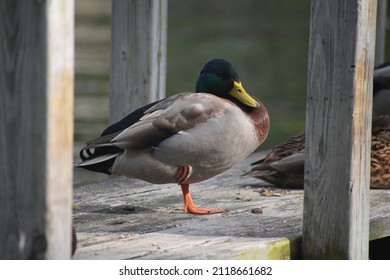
point(266, 40)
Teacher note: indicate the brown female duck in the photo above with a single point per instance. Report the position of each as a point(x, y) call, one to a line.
point(284, 165)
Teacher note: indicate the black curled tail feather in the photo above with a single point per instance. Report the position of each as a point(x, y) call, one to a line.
point(86, 157)
point(103, 166)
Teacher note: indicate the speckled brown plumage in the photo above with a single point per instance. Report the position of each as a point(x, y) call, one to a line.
point(291, 145)
point(283, 166)
point(265, 170)
point(380, 153)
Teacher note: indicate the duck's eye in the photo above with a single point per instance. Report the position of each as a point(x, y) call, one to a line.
point(239, 90)
point(221, 74)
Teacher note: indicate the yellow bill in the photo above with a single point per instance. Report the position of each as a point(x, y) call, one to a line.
point(239, 93)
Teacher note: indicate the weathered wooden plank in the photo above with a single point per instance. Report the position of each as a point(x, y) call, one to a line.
point(380, 45)
point(59, 121)
point(36, 128)
point(338, 116)
point(138, 54)
point(121, 218)
point(108, 226)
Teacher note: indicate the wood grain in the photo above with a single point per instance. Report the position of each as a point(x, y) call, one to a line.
point(36, 128)
point(338, 115)
point(59, 119)
point(138, 55)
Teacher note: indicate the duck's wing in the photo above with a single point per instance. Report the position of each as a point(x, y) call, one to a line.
point(285, 173)
point(292, 164)
point(129, 120)
point(283, 166)
point(162, 120)
point(292, 145)
point(167, 118)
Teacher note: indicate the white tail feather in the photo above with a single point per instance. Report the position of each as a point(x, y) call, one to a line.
point(97, 159)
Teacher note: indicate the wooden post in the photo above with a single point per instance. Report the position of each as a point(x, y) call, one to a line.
point(138, 54)
point(36, 129)
point(381, 32)
point(338, 129)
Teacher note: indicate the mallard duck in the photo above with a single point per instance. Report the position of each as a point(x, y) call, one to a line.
point(283, 166)
point(185, 138)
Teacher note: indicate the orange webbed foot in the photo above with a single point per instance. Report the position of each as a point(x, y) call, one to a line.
point(189, 205)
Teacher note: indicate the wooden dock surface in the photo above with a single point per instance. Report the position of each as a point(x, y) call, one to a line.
point(121, 218)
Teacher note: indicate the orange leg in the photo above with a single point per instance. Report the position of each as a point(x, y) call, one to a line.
point(189, 205)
